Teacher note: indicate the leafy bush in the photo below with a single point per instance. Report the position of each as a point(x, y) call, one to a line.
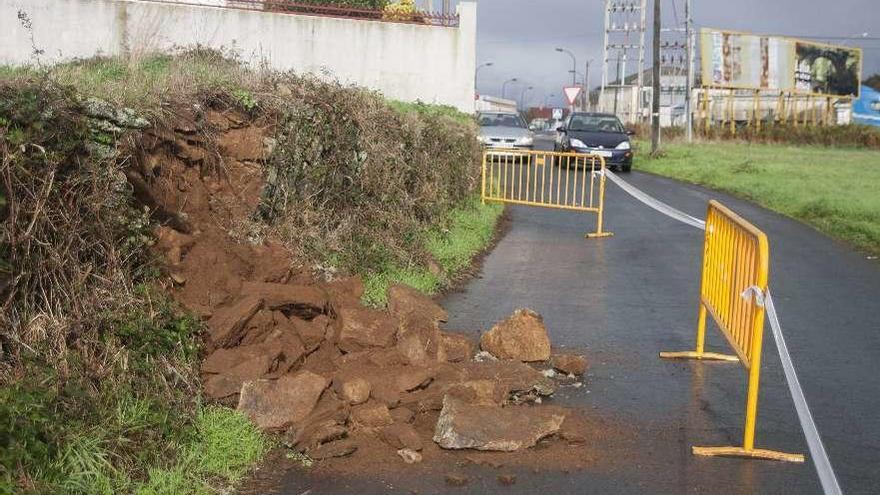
point(354, 179)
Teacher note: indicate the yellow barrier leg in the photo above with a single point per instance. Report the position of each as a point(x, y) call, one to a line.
point(699, 353)
point(601, 212)
point(748, 449)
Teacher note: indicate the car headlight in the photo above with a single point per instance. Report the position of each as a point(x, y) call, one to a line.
point(577, 143)
point(525, 141)
point(624, 145)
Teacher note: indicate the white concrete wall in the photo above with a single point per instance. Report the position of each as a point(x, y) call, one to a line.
point(404, 61)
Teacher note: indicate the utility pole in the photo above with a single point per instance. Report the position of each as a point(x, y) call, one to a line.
point(587, 86)
point(655, 82)
point(624, 21)
point(688, 103)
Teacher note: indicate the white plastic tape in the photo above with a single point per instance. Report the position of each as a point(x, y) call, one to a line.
point(826, 474)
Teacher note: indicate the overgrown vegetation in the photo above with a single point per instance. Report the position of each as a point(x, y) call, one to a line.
point(468, 230)
point(832, 189)
point(98, 385)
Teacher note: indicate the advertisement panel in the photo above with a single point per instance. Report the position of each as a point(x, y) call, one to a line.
point(751, 61)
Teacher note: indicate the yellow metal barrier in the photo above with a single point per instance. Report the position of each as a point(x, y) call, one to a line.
point(567, 181)
point(735, 263)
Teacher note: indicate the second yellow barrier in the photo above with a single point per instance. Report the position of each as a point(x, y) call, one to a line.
point(567, 181)
point(734, 277)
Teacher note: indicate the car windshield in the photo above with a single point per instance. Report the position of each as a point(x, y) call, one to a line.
point(595, 123)
point(501, 120)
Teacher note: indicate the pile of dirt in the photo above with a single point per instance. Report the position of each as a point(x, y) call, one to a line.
point(311, 362)
point(303, 357)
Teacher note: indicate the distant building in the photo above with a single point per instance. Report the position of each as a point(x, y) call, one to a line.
point(493, 104)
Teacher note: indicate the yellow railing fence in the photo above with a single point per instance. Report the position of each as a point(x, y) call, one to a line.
point(735, 274)
point(567, 181)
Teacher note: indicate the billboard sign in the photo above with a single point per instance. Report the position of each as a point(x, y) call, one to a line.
point(750, 61)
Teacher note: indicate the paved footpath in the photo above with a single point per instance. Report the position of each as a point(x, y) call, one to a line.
point(623, 299)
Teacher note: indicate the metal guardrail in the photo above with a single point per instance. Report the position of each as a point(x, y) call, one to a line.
point(328, 10)
point(735, 272)
point(566, 181)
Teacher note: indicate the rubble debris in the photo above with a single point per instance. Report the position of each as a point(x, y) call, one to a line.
point(275, 404)
point(371, 415)
point(227, 323)
point(405, 302)
point(339, 448)
point(361, 328)
point(455, 348)
point(402, 436)
point(521, 337)
point(410, 456)
point(469, 426)
point(355, 391)
point(572, 364)
point(456, 479)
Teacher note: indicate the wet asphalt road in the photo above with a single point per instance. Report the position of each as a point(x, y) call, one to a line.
point(620, 300)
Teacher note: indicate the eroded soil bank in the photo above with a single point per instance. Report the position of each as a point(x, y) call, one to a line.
point(356, 390)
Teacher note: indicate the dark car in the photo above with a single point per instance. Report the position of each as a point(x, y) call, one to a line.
point(600, 134)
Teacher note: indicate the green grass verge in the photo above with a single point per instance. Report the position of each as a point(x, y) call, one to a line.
point(468, 231)
point(225, 445)
point(832, 189)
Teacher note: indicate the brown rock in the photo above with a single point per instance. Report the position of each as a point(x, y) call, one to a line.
point(401, 436)
point(521, 337)
point(402, 415)
point(410, 456)
point(414, 378)
point(569, 363)
point(317, 434)
point(455, 347)
point(223, 360)
point(344, 292)
point(305, 301)
point(404, 301)
point(339, 448)
point(277, 404)
point(355, 391)
point(418, 340)
point(311, 332)
point(362, 328)
point(515, 377)
point(456, 479)
point(290, 347)
point(468, 426)
point(371, 415)
point(258, 327)
point(230, 382)
point(480, 392)
point(228, 323)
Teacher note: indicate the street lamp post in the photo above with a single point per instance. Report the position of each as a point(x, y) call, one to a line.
point(504, 86)
point(574, 65)
point(523, 95)
point(547, 98)
point(477, 73)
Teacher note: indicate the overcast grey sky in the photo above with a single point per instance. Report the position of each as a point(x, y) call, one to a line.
point(519, 36)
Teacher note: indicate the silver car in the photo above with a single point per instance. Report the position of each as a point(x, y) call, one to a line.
point(505, 130)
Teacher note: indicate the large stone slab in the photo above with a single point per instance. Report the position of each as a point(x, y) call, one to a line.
point(521, 337)
point(482, 427)
point(277, 404)
point(361, 328)
point(227, 324)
